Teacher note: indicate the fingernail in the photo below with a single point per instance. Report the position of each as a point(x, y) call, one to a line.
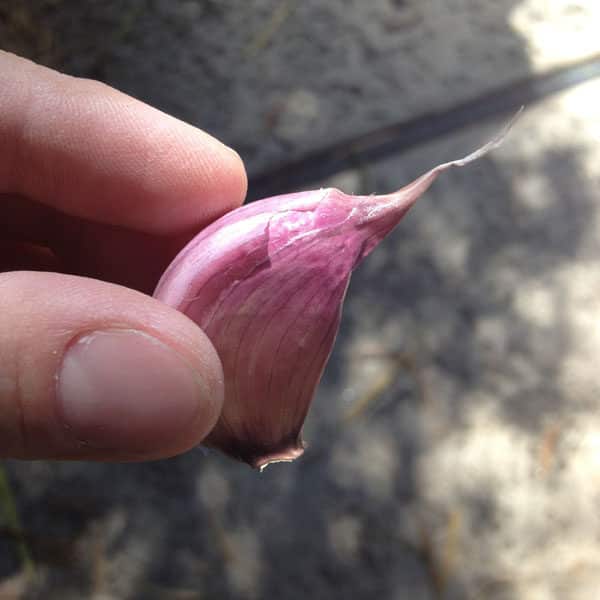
point(125, 390)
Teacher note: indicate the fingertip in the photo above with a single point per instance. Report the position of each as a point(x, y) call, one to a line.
point(126, 392)
point(238, 178)
point(95, 371)
point(216, 183)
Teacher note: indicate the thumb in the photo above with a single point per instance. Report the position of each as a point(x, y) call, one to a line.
point(94, 371)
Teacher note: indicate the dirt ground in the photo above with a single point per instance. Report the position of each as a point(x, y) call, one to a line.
point(454, 444)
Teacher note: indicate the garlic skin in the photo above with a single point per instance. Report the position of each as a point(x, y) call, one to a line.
point(266, 283)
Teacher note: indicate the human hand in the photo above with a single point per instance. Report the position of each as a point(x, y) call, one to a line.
point(101, 190)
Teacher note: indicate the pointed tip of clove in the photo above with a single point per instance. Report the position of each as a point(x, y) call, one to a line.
point(405, 197)
point(492, 144)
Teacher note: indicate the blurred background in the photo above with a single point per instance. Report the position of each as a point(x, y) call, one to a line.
point(454, 444)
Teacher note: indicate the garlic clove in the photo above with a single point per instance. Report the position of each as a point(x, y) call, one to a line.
point(269, 297)
point(266, 283)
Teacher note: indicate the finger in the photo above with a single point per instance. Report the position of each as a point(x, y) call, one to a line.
point(25, 220)
point(93, 152)
point(25, 256)
point(135, 259)
point(90, 370)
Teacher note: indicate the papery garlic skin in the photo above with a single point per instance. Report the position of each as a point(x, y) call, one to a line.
point(266, 283)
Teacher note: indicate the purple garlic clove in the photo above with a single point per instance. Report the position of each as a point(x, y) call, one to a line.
point(266, 283)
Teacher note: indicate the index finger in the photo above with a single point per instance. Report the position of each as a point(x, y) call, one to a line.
point(90, 151)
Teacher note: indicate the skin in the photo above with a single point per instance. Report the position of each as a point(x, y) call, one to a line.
point(98, 192)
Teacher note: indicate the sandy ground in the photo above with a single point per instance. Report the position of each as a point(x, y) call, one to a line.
point(454, 444)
